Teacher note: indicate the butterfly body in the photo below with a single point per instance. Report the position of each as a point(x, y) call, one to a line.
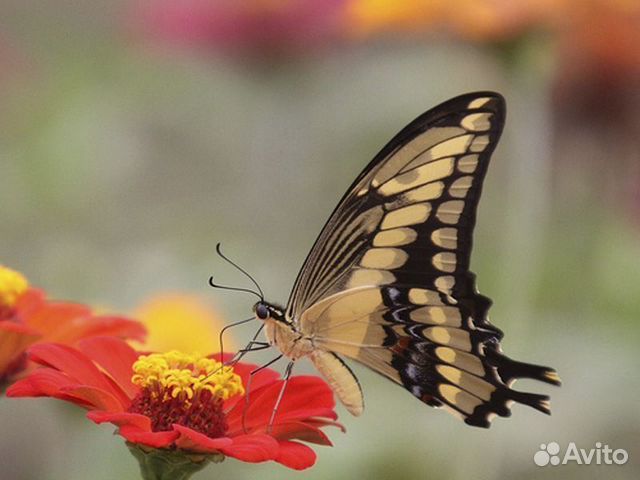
point(283, 335)
point(285, 338)
point(387, 283)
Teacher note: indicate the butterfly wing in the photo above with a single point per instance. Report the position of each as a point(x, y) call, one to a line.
point(415, 204)
point(387, 282)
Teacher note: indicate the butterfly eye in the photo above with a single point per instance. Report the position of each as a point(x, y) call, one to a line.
point(262, 311)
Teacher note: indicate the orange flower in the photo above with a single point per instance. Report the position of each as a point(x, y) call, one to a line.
point(475, 20)
point(498, 20)
point(28, 317)
point(368, 17)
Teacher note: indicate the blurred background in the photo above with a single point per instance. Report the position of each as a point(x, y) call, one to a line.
point(135, 135)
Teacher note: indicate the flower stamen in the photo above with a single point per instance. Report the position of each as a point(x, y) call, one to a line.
point(187, 389)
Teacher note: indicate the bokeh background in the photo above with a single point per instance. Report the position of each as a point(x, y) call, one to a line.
point(134, 135)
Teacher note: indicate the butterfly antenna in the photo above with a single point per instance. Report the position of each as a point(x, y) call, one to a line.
point(235, 289)
point(223, 256)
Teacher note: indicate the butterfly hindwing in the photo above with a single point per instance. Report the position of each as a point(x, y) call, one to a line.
point(427, 342)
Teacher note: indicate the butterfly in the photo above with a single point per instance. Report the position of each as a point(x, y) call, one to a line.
point(387, 282)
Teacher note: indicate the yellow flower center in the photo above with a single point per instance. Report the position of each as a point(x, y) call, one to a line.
point(184, 376)
point(188, 390)
point(12, 285)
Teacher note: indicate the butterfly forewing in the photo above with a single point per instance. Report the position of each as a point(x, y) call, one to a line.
point(387, 282)
point(408, 217)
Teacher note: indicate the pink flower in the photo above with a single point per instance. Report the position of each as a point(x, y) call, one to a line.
point(256, 28)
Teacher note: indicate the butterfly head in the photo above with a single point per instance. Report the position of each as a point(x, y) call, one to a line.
point(265, 311)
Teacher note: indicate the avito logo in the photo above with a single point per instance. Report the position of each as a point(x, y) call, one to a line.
point(549, 454)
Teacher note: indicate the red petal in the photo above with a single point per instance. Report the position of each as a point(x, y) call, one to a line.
point(304, 397)
point(76, 365)
point(29, 301)
point(151, 439)
point(67, 322)
point(13, 327)
point(51, 383)
point(96, 325)
point(135, 428)
point(322, 422)
point(50, 317)
point(295, 455)
point(94, 397)
point(134, 420)
point(303, 414)
point(300, 431)
point(252, 448)
point(44, 382)
point(116, 357)
point(198, 442)
point(259, 380)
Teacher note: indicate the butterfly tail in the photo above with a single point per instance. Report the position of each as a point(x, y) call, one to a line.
point(500, 405)
point(510, 370)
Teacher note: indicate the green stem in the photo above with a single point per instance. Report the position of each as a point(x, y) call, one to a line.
point(160, 464)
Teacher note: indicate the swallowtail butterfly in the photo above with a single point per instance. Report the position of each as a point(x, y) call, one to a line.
point(387, 282)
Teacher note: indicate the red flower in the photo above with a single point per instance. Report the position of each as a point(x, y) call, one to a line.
point(185, 403)
point(28, 317)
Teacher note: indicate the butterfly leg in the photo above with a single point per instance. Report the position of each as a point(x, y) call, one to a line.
point(248, 388)
point(227, 327)
point(251, 347)
point(287, 374)
point(248, 348)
